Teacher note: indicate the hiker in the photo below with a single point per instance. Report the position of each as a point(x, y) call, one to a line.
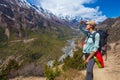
point(90, 47)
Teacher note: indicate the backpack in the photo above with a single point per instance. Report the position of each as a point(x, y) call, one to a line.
point(103, 40)
point(102, 47)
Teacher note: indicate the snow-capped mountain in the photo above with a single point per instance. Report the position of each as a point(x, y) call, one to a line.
point(73, 19)
point(21, 3)
point(25, 4)
point(19, 14)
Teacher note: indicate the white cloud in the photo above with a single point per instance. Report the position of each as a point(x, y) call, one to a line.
point(73, 8)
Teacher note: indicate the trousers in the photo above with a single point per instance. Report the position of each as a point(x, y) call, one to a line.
point(90, 65)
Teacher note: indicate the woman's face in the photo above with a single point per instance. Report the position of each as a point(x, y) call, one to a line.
point(88, 27)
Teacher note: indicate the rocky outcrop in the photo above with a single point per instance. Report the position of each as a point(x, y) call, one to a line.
point(12, 67)
point(7, 32)
point(10, 64)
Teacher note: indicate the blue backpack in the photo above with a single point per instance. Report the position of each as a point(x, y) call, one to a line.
point(103, 40)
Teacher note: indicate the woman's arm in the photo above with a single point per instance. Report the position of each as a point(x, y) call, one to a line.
point(83, 30)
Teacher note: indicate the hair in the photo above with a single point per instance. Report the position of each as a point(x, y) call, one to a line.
point(93, 26)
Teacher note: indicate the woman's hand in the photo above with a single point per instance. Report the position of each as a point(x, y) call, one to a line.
point(89, 57)
point(82, 22)
point(86, 61)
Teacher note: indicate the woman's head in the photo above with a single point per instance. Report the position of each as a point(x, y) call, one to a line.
point(90, 25)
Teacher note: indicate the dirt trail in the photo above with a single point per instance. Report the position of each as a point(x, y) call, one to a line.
point(112, 66)
point(110, 72)
point(24, 41)
point(29, 78)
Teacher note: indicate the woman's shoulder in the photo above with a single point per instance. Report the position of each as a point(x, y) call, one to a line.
point(97, 34)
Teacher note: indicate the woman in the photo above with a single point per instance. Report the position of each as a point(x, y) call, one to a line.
point(90, 47)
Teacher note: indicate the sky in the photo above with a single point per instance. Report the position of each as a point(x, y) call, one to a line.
point(97, 10)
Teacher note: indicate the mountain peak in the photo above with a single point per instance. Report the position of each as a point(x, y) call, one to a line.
point(19, 14)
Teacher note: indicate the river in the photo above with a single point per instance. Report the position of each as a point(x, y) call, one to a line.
point(67, 50)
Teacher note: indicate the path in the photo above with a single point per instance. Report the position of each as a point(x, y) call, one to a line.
point(24, 40)
point(112, 66)
point(110, 72)
point(29, 78)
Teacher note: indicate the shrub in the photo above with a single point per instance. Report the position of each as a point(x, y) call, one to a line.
point(51, 73)
point(7, 66)
point(71, 74)
point(76, 62)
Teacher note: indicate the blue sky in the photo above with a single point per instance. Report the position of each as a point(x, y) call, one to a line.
point(111, 8)
point(97, 10)
point(36, 2)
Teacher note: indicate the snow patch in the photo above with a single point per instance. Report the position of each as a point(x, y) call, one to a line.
point(3, 5)
point(23, 3)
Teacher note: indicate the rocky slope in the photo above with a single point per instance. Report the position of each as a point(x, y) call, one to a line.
point(113, 27)
point(110, 22)
point(18, 16)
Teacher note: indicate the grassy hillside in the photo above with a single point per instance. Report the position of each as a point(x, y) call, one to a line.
point(35, 49)
point(44, 44)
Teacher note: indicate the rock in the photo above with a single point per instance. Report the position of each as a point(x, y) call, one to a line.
point(7, 32)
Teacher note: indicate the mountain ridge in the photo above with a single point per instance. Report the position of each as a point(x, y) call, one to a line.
point(19, 14)
point(113, 27)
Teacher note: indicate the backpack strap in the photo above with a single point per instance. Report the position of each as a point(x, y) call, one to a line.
point(93, 36)
point(88, 35)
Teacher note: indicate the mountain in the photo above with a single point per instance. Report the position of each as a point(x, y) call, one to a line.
point(18, 15)
point(110, 22)
point(34, 36)
point(113, 27)
point(74, 20)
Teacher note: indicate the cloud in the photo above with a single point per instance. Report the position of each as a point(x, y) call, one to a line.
point(73, 8)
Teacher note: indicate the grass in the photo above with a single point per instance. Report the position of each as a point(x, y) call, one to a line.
point(75, 62)
point(46, 46)
point(71, 74)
